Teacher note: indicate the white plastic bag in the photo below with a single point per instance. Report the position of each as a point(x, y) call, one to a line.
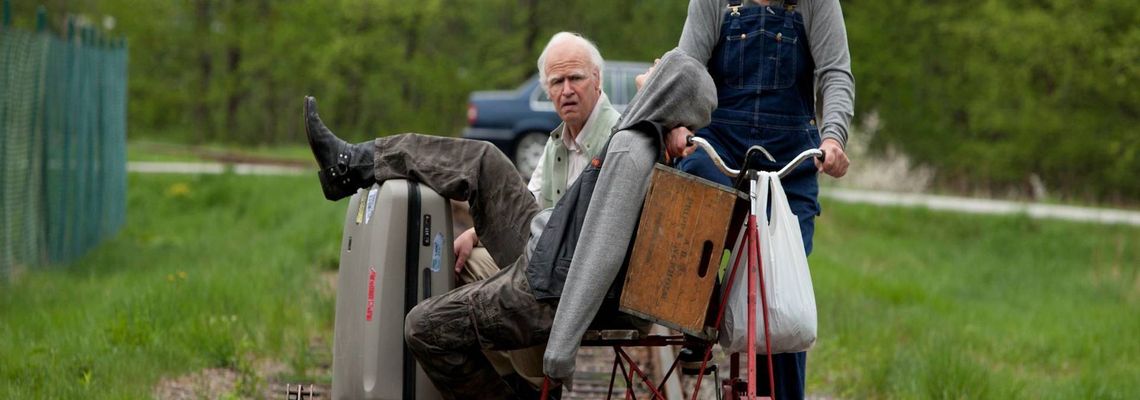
point(791, 299)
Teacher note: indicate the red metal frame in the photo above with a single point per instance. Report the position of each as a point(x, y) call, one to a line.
point(752, 242)
point(621, 359)
point(730, 386)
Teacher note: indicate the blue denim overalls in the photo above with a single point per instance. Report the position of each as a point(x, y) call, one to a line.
point(764, 74)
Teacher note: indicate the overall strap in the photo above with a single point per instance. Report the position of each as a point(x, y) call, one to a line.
point(789, 13)
point(734, 6)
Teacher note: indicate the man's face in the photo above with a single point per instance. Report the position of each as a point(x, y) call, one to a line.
point(573, 83)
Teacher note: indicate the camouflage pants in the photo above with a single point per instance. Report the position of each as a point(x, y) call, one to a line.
point(466, 170)
point(448, 333)
point(526, 363)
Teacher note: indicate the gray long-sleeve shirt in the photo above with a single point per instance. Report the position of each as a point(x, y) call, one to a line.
point(827, 37)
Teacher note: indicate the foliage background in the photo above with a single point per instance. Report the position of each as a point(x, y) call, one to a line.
point(990, 93)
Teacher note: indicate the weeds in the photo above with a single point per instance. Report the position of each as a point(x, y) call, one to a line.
point(217, 272)
point(209, 272)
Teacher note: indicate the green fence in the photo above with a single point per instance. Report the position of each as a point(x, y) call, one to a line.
point(63, 130)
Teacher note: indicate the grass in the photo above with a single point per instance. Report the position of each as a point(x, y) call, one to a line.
point(210, 271)
point(918, 304)
point(223, 271)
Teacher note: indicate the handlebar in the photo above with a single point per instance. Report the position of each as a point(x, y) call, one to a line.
point(800, 158)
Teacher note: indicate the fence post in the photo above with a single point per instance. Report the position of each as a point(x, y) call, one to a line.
point(44, 251)
point(41, 18)
point(7, 14)
point(7, 250)
point(67, 134)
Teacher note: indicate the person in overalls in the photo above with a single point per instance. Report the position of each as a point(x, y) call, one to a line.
point(769, 59)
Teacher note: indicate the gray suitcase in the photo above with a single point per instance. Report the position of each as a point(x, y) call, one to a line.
point(395, 252)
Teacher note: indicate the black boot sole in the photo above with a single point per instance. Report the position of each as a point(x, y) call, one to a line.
point(332, 189)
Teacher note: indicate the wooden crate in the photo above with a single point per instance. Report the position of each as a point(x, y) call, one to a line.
point(678, 249)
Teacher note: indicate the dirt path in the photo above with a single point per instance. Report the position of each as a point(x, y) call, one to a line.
point(985, 206)
point(883, 198)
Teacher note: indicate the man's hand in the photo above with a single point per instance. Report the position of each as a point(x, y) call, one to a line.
point(558, 366)
point(677, 143)
point(835, 161)
point(640, 79)
point(463, 245)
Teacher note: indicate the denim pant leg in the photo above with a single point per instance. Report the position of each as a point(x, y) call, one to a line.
point(465, 170)
point(790, 372)
point(448, 334)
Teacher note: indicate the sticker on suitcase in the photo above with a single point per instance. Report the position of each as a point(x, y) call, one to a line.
point(371, 204)
point(436, 252)
point(360, 213)
point(371, 293)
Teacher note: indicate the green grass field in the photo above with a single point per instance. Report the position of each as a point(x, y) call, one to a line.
point(226, 271)
point(210, 271)
point(917, 304)
point(147, 150)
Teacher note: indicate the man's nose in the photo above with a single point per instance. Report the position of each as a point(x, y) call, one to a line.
point(567, 89)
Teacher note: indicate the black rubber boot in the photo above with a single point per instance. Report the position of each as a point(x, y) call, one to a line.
point(344, 167)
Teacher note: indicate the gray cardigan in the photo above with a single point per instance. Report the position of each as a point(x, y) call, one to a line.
point(581, 255)
point(827, 36)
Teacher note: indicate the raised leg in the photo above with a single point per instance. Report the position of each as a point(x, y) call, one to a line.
point(459, 169)
point(465, 170)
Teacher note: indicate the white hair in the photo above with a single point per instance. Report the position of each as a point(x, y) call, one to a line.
point(595, 55)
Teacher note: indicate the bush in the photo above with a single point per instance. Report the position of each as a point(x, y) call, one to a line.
point(992, 92)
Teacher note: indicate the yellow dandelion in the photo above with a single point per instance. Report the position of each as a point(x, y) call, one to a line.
point(179, 189)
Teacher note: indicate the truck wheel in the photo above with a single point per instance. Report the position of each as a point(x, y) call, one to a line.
point(528, 151)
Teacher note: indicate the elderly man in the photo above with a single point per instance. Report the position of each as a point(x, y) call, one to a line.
point(570, 69)
point(516, 308)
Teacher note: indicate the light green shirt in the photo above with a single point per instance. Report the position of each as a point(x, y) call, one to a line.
point(553, 174)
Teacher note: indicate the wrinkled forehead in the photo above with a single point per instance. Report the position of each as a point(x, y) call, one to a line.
point(567, 59)
point(568, 70)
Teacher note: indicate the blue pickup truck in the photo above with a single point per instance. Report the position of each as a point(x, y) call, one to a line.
point(519, 121)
